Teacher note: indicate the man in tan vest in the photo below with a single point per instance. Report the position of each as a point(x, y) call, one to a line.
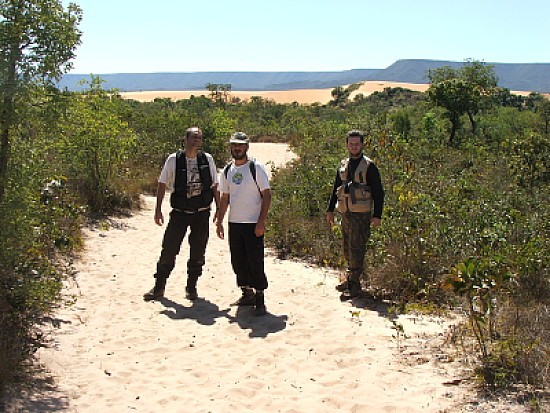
point(360, 196)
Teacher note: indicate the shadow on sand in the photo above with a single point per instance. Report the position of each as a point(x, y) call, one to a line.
point(202, 311)
point(369, 302)
point(205, 312)
point(262, 326)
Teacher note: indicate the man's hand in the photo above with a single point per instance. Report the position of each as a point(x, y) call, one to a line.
point(375, 222)
point(159, 218)
point(219, 230)
point(330, 219)
point(259, 230)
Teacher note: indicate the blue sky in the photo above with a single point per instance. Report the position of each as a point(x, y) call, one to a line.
point(138, 36)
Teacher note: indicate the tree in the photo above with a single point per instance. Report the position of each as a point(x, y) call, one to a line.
point(474, 85)
point(214, 89)
point(340, 95)
point(456, 96)
point(37, 42)
point(219, 92)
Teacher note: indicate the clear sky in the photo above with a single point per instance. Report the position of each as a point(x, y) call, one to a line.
point(143, 36)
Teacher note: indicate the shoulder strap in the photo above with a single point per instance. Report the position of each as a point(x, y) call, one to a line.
point(343, 170)
point(180, 177)
point(253, 172)
point(252, 166)
point(204, 170)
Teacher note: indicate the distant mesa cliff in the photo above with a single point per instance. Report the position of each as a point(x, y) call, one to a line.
point(533, 77)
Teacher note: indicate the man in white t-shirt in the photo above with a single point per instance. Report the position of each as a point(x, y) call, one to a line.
point(244, 188)
point(192, 175)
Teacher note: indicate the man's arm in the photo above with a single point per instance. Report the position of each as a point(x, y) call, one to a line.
point(161, 190)
point(377, 190)
point(216, 201)
point(224, 203)
point(333, 199)
point(266, 203)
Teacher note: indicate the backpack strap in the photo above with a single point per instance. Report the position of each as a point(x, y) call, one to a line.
point(252, 166)
point(204, 171)
point(180, 177)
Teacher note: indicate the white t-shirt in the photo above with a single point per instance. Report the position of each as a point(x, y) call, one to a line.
point(245, 201)
point(194, 185)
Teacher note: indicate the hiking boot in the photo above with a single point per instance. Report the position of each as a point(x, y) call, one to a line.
point(248, 298)
point(342, 286)
point(191, 289)
point(259, 304)
point(157, 291)
point(191, 293)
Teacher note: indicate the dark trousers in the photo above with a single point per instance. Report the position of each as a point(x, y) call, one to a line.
point(356, 233)
point(173, 237)
point(247, 256)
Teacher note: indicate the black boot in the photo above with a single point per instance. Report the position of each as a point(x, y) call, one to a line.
point(157, 291)
point(191, 289)
point(259, 303)
point(342, 286)
point(246, 299)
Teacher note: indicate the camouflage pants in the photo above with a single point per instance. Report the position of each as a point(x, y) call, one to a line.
point(356, 233)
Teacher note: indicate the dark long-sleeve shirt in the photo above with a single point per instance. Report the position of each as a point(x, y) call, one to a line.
point(373, 180)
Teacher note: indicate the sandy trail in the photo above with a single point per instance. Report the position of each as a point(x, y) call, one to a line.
point(311, 353)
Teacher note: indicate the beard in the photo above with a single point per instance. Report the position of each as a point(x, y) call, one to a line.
point(238, 155)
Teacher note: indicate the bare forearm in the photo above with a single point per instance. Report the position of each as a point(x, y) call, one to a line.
point(223, 205)
point(161, 191)
point(266, 203)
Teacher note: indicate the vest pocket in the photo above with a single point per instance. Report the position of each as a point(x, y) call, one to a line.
point(360, 198)
point(342, 202)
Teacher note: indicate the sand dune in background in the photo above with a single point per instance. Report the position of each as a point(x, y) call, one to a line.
point(302, 96)
point(281, 96)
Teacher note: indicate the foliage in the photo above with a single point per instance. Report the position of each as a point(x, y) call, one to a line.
point(40, 225)
point(529, 159)
point(37, 42)
point(219, 93)
point(466, 90)
point(340, 95)
point(478, 280)
point(95, 149)
point(455, 95)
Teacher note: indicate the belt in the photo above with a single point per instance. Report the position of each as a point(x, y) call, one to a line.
point(190, 212)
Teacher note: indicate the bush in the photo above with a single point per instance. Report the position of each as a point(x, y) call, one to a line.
point(95, 149)
point(39, 231)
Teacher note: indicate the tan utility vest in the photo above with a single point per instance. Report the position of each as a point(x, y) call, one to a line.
point(355, 195)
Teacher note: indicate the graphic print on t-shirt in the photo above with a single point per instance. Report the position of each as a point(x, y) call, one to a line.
point(237, 178)
point(194, 185)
